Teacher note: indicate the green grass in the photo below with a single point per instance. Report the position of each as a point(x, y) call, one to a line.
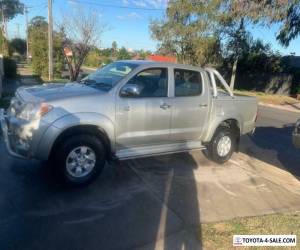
point(219, 235)
point(268, 98)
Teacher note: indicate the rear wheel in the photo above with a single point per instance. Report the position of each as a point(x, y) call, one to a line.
point(222, 145)
point(79, 159)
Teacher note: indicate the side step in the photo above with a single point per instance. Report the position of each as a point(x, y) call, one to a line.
point(147, 151)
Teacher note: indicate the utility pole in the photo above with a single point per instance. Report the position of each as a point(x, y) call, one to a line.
point(50, 39)
point(27, 35)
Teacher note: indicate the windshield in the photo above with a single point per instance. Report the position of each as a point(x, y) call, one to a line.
point(108, 76)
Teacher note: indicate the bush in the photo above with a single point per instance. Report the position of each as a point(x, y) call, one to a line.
point(92, 59)
point(10, 67)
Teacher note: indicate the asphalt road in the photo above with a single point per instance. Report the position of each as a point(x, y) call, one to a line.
point(126, 208)
point(272, 141)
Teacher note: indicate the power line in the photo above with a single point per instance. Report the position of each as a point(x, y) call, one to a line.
point(37, 5)
point(116, 6)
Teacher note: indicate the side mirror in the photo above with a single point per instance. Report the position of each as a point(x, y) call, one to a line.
point(130, 90)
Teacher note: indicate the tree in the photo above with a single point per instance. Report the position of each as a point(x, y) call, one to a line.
point(38, 40)
point(8, 10)
point(124, 54)
point(18, 45)
point(93, 58)
point(189, 30)
point(114, 47)
point(81, 31)
point(290, 27)
point(143, 54)
point(238, 43)
point(4, 49)
point(286, 13)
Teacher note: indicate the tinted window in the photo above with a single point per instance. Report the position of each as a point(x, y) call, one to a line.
point(152, 82)
point(187, 82)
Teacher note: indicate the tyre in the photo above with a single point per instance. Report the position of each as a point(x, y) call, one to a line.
point(222, 145)
point(79, 159)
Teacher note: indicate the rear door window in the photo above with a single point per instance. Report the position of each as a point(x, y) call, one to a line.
point(187, 82)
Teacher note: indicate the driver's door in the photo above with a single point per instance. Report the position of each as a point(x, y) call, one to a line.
point(144, 118)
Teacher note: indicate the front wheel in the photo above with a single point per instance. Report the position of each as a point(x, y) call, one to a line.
point(79, 159)
point(222, 145)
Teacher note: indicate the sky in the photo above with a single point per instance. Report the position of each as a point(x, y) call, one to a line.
point(127, 22)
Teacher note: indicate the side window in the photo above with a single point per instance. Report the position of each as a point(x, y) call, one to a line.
point(187, 82)
point(151, 82)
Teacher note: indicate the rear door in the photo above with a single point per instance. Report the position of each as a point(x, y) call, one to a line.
point(189, 105)
point(144, 120)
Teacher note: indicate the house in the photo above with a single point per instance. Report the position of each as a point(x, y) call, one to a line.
point(161, 58)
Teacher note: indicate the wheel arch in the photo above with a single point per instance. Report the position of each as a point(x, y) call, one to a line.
point(79, 130)
point(90, 123)
point(231, 123)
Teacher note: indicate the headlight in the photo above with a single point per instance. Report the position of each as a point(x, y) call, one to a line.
point(33, 111)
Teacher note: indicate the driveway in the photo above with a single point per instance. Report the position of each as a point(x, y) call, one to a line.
point(151, 203)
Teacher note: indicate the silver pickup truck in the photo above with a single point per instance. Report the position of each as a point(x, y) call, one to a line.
point(124, 110)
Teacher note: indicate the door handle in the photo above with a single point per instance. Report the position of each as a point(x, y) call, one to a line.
point(202, 105)
point(165, 106)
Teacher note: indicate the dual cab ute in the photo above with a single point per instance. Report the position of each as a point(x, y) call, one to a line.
point(124, 110)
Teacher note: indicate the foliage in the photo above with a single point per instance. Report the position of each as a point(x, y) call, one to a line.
point(114, 48)
point(256, 56)
point(38, 39)
point(189, 30)
point(4, 48)
point(290, 28)
point(10, 8)
point(80, 33)
point(10, 67)
point(238, 40)
point(93, 59)
point(106, 52)
point(114, 45)
point(123, 54)
point(143, 54)
point(286, 13)
point(18, 45)
point(106, 60)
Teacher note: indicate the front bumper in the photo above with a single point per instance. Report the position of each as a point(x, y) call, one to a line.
point(6, 136)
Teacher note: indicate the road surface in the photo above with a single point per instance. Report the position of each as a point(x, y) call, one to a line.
point(272, 141)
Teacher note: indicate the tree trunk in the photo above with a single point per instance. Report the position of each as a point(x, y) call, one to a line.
point(70, 67)
point(233, 75)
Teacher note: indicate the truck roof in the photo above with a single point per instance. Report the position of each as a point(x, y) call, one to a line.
point(160, 64)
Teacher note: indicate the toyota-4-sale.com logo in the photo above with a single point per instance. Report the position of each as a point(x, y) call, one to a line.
point(264, 240)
